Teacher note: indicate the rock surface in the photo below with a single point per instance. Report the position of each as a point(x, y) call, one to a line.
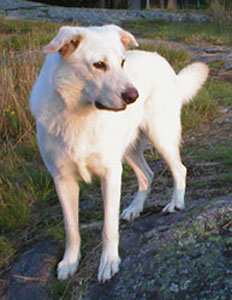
point(186, 255)
point(40, 11)
point(31, 273)
point(228, 65)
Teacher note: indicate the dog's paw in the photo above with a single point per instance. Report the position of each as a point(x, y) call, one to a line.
point(173, 207)
point(66, 268)
point(108, 268)
point(130, 213)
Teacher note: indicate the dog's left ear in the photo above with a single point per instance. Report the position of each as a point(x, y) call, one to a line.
point(66, 41)
point(127, 39)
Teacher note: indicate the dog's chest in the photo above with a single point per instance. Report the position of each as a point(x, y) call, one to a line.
point(91, 144)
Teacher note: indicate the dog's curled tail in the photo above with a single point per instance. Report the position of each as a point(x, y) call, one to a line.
point(191, 79)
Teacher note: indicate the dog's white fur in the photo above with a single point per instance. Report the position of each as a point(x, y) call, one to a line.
point(78, 140)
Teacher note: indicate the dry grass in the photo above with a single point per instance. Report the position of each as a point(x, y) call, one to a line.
point(17, 77)
point(20, 179)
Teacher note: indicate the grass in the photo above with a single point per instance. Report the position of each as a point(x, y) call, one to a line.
point(219, 154)
point(23, 178)
point(202, 109)
point(23, 35)
point(190, 33)
point(178, 58)
point(221, 92)
point(6, 252)
point(217, 63)
point(28, 202)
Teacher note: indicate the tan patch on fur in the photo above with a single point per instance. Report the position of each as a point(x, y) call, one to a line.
point(71, 46)
point(127, 39)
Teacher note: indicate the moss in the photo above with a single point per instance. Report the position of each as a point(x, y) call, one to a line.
point(188, 266)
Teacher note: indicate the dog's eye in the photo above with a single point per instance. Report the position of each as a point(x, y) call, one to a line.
point(100, 65)
point(122, 63)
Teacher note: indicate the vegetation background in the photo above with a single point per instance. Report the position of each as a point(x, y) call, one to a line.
point(163, 4)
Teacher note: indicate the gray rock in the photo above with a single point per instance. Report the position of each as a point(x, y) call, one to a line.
point(215, 50)
point(24, 13)
point(210, 58)
point(26, 9)
point(229, 56)
point(189, 260)
point(30, 274)
point(16, 4)
point(227, 66)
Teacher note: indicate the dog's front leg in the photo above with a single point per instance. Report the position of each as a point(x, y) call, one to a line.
point(68, 192)
point(111, 190)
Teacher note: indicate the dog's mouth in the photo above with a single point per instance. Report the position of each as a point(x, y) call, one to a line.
point(103, 107)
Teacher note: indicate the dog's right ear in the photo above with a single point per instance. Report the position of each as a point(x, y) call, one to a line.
point(66, 41)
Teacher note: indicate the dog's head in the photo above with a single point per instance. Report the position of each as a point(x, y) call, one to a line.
point(91, 70)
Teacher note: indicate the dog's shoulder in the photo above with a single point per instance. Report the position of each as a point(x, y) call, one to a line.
point(43, 90)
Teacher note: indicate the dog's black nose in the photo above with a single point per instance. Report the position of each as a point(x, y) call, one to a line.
point(130, 95)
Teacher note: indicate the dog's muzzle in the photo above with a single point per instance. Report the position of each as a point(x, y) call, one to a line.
point(99, 105)
point(128, 96)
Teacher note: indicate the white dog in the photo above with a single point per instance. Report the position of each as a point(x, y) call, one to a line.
point(87, 125)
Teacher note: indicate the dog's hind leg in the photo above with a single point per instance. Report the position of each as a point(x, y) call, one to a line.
point(169, 149)
point(179, 175)
point(111, 190)
point(137, 162)
point(68, 192)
